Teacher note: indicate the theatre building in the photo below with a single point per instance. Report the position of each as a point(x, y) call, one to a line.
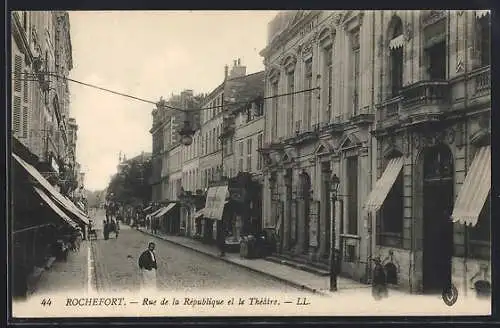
point(429, 207)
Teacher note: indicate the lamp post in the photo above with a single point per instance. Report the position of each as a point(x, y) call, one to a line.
point(335, 182)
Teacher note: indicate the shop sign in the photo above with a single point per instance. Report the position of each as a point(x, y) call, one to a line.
point(216, 200)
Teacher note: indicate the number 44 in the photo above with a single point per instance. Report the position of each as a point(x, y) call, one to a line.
point(46, 302)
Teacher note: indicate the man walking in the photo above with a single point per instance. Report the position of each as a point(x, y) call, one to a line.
point(148, 266)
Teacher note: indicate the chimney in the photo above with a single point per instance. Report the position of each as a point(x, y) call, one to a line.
point(226, 72)
point(239, 62)
point(234, 62)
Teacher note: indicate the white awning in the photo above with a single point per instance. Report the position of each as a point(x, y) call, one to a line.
point(54, 207)
point(397, 42)
point(475, 189)
point(482, 13)
point(82, 207)
point(164, 210)
point(384, 184)
point(66, 203)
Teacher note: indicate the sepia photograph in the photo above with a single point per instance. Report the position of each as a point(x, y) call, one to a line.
point(249, 163)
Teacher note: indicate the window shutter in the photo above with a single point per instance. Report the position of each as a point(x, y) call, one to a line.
point(17, 114)
point(25, 122)
point(25, 91)
point(18, 63)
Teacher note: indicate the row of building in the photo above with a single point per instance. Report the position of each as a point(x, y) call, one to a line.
point(396, 104)
point(48, 200)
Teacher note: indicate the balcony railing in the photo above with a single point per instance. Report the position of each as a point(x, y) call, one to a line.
point(426, 93)
point(482, 79)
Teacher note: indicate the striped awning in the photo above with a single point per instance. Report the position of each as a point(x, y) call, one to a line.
point(383, 185)
point(475, 189)
point(61, 199)
point(164, 210)
point(397, 42)
point(482, 13)
point(60, 213)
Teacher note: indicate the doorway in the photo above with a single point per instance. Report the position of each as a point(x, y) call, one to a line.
point(438, 228)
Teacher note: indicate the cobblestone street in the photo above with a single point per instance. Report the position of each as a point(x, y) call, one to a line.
point(116, 269)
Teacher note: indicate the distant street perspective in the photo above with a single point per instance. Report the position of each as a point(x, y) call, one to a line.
point(179, 268)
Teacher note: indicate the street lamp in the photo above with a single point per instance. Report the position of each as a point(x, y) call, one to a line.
point(186, 133)
point(334, 186)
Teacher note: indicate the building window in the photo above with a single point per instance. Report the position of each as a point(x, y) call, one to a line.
point(435, 50)
point(328, 54)
point(480, 234)
point(355, 71)
point(391, 216)
point(484, 36)
point(352, 195)
point(308, 95)
point(249, 155)
point(259, 155)
point(396, 56)
point(274, 100)
point(290, 100)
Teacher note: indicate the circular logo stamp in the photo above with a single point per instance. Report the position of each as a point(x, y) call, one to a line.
point(450, 295)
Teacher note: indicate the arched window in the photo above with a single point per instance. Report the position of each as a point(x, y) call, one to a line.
point(396, 55)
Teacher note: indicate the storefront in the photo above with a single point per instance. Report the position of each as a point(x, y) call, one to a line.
point(192, 205)
point(167, 218)
point(430, 205)
point(41, 218)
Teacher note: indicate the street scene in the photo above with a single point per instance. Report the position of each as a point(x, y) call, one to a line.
point(327, 154)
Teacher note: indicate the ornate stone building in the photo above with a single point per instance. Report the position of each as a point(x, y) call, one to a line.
point(402, 104)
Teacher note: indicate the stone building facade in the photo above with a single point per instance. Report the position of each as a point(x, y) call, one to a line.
point(399, 94)
point(41, 62)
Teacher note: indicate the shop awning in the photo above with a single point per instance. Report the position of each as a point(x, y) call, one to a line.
point(397, 42)
point(67, 204)
point(54, 207)
point(82, 207)
point(475, 189)
point(383, 185)
point(147, 208)
point(164, 210)
point(482, 13)
point(216, 200)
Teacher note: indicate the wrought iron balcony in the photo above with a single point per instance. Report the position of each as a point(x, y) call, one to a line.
point(425, 93)
point(482, 80)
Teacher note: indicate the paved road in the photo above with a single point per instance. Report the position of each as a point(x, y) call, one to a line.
point(116, 270)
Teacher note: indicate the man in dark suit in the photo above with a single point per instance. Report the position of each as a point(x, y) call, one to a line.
point(148, 266)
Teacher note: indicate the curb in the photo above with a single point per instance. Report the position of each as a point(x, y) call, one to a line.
point(286, 281)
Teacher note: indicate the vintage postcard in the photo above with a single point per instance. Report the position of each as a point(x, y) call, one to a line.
point(250, 163)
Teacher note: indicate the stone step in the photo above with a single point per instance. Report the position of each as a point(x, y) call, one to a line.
point(298, 265)
point(304, 259)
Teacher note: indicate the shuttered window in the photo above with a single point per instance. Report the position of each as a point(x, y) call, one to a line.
point(17, 114)
point(18, 63)
point(25, 121)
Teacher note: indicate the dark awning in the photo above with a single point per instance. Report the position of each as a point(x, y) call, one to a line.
point(58, 211)
point(60, 199)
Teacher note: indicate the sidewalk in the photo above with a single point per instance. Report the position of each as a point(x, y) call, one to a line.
point(289, 275)
point(71, 275)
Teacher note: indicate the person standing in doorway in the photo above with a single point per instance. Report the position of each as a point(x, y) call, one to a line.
point(148, 267)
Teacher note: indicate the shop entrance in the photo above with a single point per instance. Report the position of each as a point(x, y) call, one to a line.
point(438, 228)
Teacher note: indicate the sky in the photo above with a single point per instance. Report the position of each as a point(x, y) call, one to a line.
point(148, 55)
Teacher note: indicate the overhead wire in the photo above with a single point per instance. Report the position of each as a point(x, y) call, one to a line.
point(157, 103)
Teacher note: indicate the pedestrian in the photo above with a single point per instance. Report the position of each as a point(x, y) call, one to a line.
point(379, 281)
point(148, 266)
